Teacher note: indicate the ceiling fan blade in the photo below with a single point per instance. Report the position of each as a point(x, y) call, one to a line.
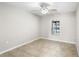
point(42, 4)
point(52, 11)
point(36, 11)
point(51, 7)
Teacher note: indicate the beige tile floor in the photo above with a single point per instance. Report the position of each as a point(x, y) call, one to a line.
point(43, 48)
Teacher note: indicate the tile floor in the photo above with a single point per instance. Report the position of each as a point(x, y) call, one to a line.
point(43, 48)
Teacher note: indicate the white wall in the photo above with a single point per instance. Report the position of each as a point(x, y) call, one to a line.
point(77, 21)
point(67, 26)
point(16, 26)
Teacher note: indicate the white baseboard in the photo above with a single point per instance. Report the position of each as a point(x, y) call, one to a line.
point(58, 40)
point(19, 45)
point(32, 41)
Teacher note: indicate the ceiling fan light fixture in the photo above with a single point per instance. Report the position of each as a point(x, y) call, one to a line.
point(44, 10)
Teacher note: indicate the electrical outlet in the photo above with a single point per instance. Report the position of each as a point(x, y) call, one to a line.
point(7, 42)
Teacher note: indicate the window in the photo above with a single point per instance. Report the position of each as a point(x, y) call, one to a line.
point(55, 27)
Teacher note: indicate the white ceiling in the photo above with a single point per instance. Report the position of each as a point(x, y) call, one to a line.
point(33, 7)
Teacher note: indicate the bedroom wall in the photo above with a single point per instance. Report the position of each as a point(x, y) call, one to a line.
point(67, 26)
point(16, 26)
point(77, 31)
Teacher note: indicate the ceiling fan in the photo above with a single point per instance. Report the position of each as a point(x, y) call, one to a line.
point(46, 8)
